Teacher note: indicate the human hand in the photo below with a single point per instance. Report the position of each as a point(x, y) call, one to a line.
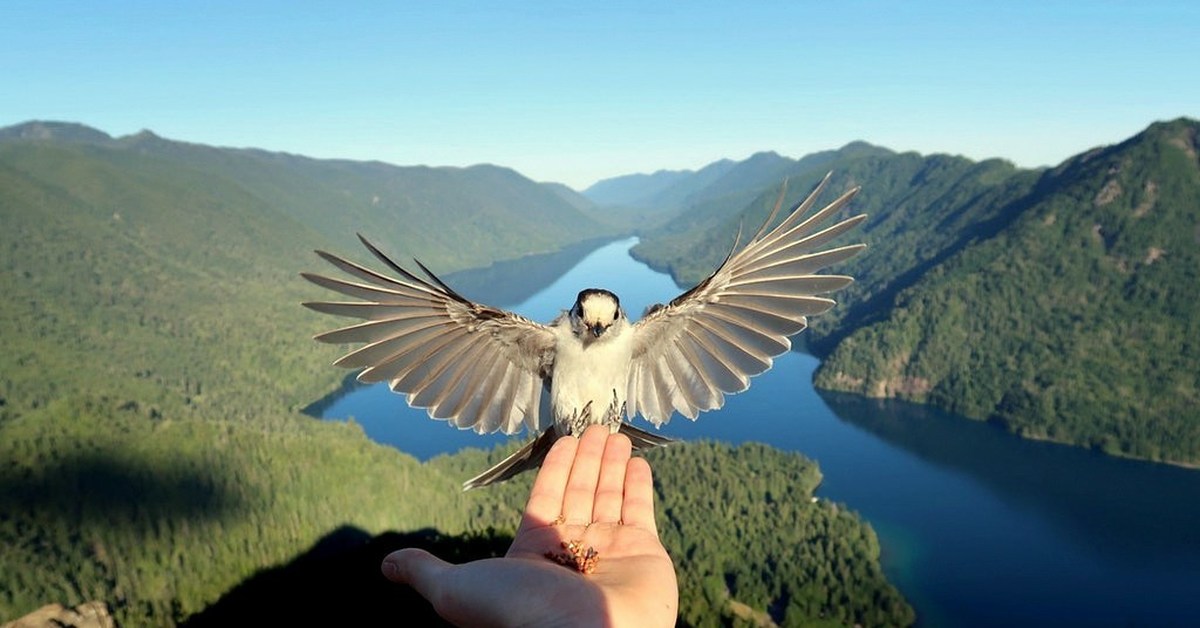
point(588, 490)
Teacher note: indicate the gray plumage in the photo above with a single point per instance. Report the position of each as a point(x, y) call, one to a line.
point(486, 369)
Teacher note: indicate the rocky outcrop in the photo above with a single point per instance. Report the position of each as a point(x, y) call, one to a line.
point(86, 615)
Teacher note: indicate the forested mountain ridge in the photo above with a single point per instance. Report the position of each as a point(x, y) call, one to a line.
point(450, 218)
point(1077, 322)
point(156, 358)
point(1065, 298)
point(637, 190)
point(919, 208)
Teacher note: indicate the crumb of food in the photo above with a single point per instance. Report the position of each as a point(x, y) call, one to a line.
point(576, 557)
point(559, 521)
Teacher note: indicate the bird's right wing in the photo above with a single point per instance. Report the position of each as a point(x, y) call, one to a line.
point(710, 340)
point(476, 366)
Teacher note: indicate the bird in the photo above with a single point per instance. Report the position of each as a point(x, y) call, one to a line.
point(487, 369)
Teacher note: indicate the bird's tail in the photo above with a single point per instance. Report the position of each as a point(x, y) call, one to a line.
point(534, 452)
point(643, 440)
point(528, 457)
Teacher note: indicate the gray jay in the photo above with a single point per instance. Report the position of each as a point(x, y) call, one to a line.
point(486, 369)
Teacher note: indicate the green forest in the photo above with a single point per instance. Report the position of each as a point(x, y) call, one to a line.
point(157, 360)
point(1059, 304)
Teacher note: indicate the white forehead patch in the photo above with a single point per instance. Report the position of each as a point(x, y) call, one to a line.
point(599, 308)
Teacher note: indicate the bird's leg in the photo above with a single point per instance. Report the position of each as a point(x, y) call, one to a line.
point(616, 412)
point(580, 419)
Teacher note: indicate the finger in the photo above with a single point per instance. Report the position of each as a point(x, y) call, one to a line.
point(610, 489)
point(417, 568)
point(638, 509)
point(546, 497)
point(459, 593)
point(585, 472)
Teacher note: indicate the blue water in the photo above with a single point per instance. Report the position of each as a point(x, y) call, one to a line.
point(978, 528)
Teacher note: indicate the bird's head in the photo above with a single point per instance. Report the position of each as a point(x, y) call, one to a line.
point(595, 311)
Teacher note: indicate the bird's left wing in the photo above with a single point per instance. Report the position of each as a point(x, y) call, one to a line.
point(476, 366)
point(710, 340)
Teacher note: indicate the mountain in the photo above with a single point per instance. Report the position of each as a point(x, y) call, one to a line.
point(696, 241)
point(670, 201)
point(1074, 322)
point(49, 131)
point(156, 362)
point(450, 218)
point(634, 190)
point(638, 202)
point(1057, 303)
point(573, 198)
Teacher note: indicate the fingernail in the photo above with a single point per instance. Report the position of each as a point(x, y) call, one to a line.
point(390, 569)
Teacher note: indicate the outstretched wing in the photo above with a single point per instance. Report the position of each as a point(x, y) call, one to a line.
point(710, 340)
point(475, 366)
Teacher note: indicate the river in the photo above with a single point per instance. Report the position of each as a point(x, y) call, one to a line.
point(978, 527)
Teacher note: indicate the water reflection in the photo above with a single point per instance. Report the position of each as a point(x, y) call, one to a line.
point(1095, 499)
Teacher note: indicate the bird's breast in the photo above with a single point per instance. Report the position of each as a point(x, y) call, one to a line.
point(589, 381)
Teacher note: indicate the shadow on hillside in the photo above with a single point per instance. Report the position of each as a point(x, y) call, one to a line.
point(337, 582)
point(103, 489)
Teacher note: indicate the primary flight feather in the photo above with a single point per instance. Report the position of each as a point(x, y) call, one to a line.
point(486, 369)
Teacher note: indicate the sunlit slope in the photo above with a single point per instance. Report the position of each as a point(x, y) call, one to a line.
point(919, 210)
point(1060, 302)
point(1076, 322)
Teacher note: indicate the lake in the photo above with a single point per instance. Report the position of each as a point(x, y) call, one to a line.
point(978, 527)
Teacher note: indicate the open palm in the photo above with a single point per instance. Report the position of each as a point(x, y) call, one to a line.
point(591, 492)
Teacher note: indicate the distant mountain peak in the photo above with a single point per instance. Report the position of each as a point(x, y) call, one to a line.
point(145, 134)
point(764, 157)
point(50, 130)
point(860, 147)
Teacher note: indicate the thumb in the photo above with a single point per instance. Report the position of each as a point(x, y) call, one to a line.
point(415, 567)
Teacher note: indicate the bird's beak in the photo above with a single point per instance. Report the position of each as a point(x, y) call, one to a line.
point(597, 329)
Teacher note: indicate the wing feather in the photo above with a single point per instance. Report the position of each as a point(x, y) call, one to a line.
point(475, 366)
point(357, 309)
point(693, 390)
point(788, 287)
point(750, 313)
point(357, 290)
point(440, 392)
point(734, 353)
point(761, 345)
point(374, 331)
point(406, 371)
point(725, 377)
point(647, 394)
point(486, 390)
point(711, 339)
point(787, 262)
point(665, 386)
point(633, 403)
point(706, 380)
point(417, 341)
point(457, 355)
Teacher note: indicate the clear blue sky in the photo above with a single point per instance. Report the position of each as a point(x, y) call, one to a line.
point(575, 92)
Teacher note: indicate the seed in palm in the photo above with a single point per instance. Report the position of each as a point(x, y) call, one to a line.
point(576, 557)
